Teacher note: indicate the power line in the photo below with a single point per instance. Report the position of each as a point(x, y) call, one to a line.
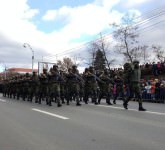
point(153, 14)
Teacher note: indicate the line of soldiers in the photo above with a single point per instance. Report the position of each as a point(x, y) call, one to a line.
point(59, 87)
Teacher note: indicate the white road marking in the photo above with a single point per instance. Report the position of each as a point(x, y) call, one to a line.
point(150, 112)
point(1, 100)
point(51, 114)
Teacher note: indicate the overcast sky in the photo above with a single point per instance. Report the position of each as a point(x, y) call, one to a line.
point(55, 27)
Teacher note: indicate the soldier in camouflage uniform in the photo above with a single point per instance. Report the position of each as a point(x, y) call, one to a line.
point(43, 86)
point(133, 75)
point(105, 87)
point(90, 85)
point(20, 86)
point(73, 87)
point(118, 82)
point(33, 89)
point(62, 87)
point(26, 83)
point(54, 79)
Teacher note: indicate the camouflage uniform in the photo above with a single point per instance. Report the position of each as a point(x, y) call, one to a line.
point(134, 74)
point(90, 86)
point(34, 87)
point(105, 87)
point(62, 87)
point(54, 79)
point(26, 83)
point(118, 82)
point(43, 86)
point(73, 87)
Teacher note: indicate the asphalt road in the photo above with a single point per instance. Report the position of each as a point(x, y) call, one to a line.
point(30, 126)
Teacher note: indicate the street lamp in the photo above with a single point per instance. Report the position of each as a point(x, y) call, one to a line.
point(25, 45)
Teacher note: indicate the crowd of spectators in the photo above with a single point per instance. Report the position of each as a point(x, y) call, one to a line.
point(153, 90)
point(152, 82)
point(155, 69)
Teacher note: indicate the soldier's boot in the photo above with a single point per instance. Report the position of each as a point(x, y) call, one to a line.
point(36, 99)
point(141, 107)
point(77, 100)
point(50, 102)
point(62, 98)
point(23, 97)
point(67, 102)
point(99, 100)
point(39, 100)
point(47, 102)
point(108, 101)
point(58, 102)
point(85, 99)
point(78, 104)
point(31, 98)
point(114, 101)
point(86, 102)
point(95, 102)
point(125, 104)
point(59, 105)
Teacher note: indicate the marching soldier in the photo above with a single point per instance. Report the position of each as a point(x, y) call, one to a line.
point(26, 83)
point(43, 86)
point(105, 87)
point(54, 79)
point(73, 87)
point(118, 82)
point(34, 83)
point(133, 74)
point(90, 87)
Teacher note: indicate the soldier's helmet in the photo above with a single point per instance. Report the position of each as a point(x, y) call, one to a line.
point(69, 69)
point(74, 67)
point(34, 73)
point(105, 71)
point(86, 70)
point(44, 69)
point(127, 65)
point(91, 69)
point(27, 75)
point(135, 62)
point(55, 66)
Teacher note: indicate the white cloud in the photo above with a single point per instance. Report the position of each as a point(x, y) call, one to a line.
point(89, 19)
point(132, 3)
point(50, 15)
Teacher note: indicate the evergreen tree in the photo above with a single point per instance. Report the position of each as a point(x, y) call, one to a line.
point(99, 62)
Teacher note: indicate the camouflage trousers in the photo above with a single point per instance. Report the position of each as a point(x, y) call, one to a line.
point(135, 91)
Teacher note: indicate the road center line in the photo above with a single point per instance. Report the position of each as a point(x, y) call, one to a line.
point(150, 112)
point(1, 100)
point(51, 114)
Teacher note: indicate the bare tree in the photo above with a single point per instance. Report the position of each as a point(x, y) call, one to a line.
point(159, 52)
point(65, 64)
point(126, 36)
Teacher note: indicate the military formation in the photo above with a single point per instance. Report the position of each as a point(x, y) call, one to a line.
point(55, 86)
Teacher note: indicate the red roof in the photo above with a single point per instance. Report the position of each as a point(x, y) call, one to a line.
point(22, 70)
